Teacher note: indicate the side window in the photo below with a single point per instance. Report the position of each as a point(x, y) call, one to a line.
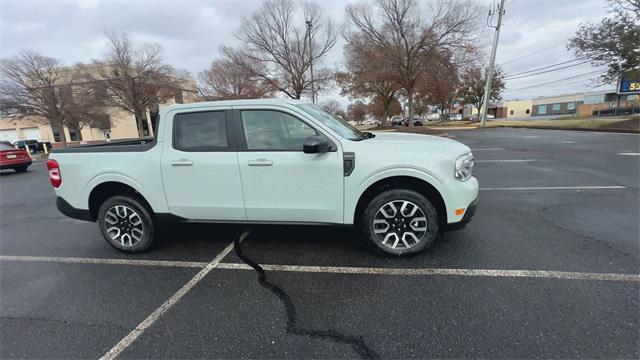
point(200, 131)
point(274, 130)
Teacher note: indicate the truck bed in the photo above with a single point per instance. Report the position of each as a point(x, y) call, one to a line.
point(131, 145)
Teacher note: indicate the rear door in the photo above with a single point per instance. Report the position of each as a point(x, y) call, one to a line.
point(200, 167)
point(280, 182)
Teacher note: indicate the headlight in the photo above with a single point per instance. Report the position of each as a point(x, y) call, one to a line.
point(463, 169)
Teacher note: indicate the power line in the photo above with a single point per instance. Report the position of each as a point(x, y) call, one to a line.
point(544, 67)
point(532, 53)
point(571, 82)
point(555, 81)
point(546, 71)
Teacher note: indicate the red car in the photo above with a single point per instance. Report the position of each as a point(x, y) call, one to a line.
point(12, 158)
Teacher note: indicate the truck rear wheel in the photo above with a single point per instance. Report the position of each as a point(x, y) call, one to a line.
point(126, 224)
point(400, 222)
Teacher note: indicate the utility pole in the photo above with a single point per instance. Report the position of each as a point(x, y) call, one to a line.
point(313, 91)
point(489, 72)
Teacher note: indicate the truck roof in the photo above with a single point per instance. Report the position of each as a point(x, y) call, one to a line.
point(272, 101)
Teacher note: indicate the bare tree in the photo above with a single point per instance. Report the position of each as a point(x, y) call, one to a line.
point(369, 74)
point(332, 106)
point(228, 78)
point(472, 81)
point(413, 34)
point(357, 111)
point(38, 86)
point(382, 109)
point(277, 44)
point(135, 77)
point(439, 88)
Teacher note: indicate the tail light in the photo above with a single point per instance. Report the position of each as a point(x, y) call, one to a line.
point(54, 173)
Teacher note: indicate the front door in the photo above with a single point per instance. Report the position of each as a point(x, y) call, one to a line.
point(200, 167)
point(280, 182)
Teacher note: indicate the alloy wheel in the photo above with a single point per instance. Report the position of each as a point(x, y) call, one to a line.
point(400, 225)
point(124, 225)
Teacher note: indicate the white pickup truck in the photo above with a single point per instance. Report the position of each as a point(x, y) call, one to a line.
point(268, 161)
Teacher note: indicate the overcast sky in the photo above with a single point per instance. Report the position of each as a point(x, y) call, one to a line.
point(534, 35)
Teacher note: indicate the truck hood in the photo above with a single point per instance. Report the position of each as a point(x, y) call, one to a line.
point(416, 142)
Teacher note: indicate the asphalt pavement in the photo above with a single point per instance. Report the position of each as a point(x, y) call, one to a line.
point(548, 268)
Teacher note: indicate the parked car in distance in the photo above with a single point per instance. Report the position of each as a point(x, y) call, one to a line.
point(417, 121)
point(34, 145)
point(456, 117)
point(396, 121)
point(12, 158)
point(268, 161)
point(432, 117)
point(370, 122)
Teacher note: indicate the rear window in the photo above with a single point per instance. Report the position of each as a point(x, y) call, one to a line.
point(6, 147)
point(200, 131)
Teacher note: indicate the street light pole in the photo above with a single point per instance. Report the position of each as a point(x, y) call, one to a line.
point(489, 72)
point(313, 91)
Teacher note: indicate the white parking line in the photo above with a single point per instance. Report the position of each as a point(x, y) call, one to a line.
point(146, 323)
point(216, 264)
point(77, 260)
point(629, 154)
point(504, 160)
point(555, 188)
point(451, 272)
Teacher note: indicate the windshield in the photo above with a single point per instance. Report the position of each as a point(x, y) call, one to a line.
point(336, 124)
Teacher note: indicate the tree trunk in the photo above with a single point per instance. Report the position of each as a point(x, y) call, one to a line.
point(139, 122)
point(410, 103)
point(385, 114)
point(63, 137)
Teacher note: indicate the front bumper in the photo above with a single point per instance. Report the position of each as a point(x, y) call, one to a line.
point(468, 215)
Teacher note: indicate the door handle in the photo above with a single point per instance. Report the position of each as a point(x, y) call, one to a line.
point(182, 162)
point(260, 162)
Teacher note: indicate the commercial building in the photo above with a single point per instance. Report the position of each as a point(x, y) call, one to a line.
point(518, 108)
point(115, 123)
point(580, 104)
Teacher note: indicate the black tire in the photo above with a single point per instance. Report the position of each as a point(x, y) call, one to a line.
point(22, 168)
point(399, 196)
point(125, 225)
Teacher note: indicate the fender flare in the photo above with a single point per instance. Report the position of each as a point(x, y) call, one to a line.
point(350, 205)
point(127, 180)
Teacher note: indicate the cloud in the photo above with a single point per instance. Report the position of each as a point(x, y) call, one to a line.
point(191, 31)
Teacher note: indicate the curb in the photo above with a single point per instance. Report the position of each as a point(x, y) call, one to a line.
point(625, 131)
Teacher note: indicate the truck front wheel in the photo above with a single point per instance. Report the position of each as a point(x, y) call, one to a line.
point(126, 224)
point(400, 222)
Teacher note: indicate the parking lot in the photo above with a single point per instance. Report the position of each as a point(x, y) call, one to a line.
point(548, 268)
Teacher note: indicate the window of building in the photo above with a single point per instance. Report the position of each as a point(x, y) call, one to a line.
point(594, 99)
point(274, 130)
point(542, 109)
point(571, 106)
point(527, 111)
point(99, 92)
point(56, 133)
point(200, 131)
point(510, 112)
point(555, 107)
point(73, 135)
point(177, 95)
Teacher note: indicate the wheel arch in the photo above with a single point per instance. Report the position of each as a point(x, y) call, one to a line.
point(104, 190)
point(421, 186)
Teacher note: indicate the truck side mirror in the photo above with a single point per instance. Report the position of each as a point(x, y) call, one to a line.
point(315, 144)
